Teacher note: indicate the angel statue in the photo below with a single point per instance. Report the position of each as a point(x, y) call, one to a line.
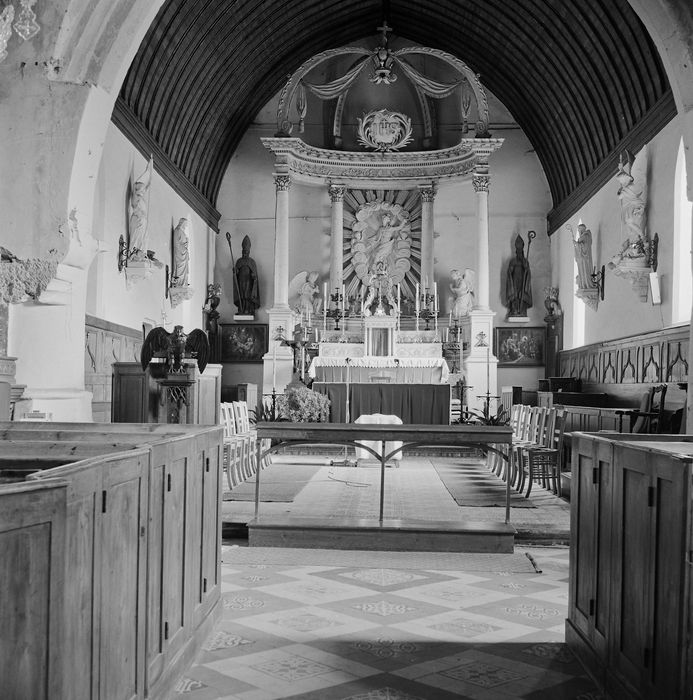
point(174, 347)
point(462, 288)
point(138, 214)
point(632, 179)
point(305, 287)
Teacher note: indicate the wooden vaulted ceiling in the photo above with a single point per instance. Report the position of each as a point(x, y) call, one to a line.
point(578, 76)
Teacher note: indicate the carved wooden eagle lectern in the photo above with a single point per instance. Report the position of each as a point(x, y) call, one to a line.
point(175, 347)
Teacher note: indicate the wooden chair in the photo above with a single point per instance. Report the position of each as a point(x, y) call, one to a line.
point(534, 436)
point(240, 414)
point(233, 447)
point(544, 463)
point(649, 416)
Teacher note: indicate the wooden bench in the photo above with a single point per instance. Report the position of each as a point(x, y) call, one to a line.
point(136, 583)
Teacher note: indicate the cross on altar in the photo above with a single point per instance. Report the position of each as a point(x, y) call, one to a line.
point(384, 29)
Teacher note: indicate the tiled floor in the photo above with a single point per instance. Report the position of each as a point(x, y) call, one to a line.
point(362, 632)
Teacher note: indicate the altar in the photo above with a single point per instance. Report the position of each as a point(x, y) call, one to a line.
point(380, 370)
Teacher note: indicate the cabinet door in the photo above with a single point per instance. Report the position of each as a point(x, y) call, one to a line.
point(207, 585)
point(650, 516)
point(123, 579)
point(591, 533)
point(175, 554)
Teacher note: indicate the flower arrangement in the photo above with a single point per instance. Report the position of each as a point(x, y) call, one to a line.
point(302, 405)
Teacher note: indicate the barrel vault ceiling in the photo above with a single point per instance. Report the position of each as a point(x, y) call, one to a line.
point(580, 77)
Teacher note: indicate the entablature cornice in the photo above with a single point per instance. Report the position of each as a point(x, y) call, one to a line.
point(318, 166)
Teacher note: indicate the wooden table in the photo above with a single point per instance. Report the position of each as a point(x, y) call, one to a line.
point(485, 437)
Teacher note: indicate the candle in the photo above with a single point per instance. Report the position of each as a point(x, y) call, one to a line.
point(417, 297)
point(450, 321)
point(274, 365)
point(398, 299)
point(343, 297)
point(435, 297)
point(447, 334)
point(488, 370)
point(324, 295)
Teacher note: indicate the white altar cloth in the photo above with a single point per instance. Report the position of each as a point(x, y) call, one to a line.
point(397, 370)
point(379, 418)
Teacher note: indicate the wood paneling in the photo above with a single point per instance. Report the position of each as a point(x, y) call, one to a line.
point(135, 543)
point(657, 357)
point(32, 580)
point(630, 587)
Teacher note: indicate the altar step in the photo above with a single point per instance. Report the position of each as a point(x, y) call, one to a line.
point(392, 535)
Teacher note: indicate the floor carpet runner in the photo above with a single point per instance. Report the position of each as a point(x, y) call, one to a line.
point(472, 484)
point(278, 483)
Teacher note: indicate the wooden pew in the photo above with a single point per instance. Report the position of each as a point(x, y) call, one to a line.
point(142, 548)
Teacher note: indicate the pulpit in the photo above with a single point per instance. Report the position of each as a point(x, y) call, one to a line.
point(154, 396)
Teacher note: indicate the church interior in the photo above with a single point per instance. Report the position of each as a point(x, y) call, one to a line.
point(393, 249)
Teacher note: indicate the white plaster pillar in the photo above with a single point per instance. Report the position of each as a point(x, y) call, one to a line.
point(481, 183)
point(337, 236)
point(278, 362)
point(282, 183)
point(427, 259)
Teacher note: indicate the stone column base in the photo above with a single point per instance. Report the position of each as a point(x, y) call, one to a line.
point(479, 362)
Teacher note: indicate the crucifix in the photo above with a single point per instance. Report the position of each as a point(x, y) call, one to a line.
point(384, 29)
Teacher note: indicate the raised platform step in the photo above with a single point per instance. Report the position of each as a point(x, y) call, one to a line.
point(391, 535)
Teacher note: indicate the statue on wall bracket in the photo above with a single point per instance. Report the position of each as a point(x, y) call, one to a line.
point(637, 258)
point(381, 246)
point(518, 281)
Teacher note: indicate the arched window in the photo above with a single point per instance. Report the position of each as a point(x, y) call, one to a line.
point(682, 282)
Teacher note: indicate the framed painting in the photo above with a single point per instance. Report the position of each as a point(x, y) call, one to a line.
point(243, 342)
point(520, 347)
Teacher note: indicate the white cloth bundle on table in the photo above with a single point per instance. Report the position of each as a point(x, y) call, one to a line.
point(380, 418)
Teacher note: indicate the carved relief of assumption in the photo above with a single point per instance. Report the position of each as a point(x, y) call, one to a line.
point(381, 238)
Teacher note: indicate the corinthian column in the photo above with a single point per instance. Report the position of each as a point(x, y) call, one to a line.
point(282, 183)
point(337, 236)
point(427, 197)
point(481, 183)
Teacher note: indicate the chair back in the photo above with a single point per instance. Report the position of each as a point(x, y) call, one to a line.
point(240, 412)
point(650, 416)
point(227, 419)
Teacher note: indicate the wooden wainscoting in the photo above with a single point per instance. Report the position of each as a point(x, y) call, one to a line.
point(104, 344)
point(648, 358)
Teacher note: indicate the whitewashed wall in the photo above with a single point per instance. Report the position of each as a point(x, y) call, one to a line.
point(621, 313)
point(108, 295)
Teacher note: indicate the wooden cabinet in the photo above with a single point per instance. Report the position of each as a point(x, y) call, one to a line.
point(142, 543)
point(136, 395)
point(630, 586)
point(32, 590)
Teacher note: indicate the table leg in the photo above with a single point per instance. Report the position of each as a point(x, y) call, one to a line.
point(258, 444)
point(508, 472)
point(382, 479)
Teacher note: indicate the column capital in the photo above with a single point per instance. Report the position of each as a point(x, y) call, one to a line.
point(428, 193)
point(481, 183)
point(282, 182)
point(337, 193)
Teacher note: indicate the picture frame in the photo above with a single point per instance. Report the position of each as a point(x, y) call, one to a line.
point(520, 346)
point(243, 342)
